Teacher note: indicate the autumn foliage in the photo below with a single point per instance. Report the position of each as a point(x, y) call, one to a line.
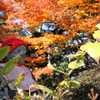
point(73, 16)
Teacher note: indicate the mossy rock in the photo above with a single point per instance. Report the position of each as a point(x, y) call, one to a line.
point(88, 79)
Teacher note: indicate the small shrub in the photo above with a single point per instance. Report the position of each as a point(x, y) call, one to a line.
point(88, 79)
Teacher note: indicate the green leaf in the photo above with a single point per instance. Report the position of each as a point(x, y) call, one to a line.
point(79, 55)
point(8, 81)
point(74, 84)
point(1, 73)
point(62, 72)
point(9, 66)
point(1, 68)
point(4, 52)
point(76, 64)
point(65, 83)
point(55, 69)
point(96, 35)
point(41, 87)
point(93, 49)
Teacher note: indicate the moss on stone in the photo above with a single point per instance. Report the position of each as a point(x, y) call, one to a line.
point(88, 79)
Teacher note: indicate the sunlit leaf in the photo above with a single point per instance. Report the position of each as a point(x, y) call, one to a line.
point(41, 87)
point(50, 66)
point(76, 64)
point(98, 26)
point(93, 49)
point(21, 91)
point(67, 84)
point(62, 83)
point(96, 35)
point(79, 55)
point(19, 80)
point(72, 84)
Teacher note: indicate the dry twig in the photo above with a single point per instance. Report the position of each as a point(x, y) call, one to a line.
point(93, 96)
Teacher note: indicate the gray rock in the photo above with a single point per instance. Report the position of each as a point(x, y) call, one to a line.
point(5, 92)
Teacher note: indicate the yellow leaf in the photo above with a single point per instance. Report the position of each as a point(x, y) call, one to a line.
point(96, 35)
point(93, 49)
point(98, 26)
